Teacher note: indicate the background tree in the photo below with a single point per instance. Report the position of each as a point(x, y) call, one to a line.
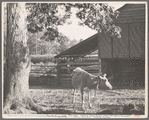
point(32, 41)
point(74, 42)
point(41, 46)
point(62, 44)
point(46, 16)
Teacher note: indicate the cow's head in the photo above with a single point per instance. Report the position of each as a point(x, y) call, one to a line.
point(103, 82)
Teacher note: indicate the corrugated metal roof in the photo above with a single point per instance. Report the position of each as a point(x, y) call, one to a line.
point(129, 13)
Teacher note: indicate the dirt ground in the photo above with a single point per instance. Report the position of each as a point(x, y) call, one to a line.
point(59, 100)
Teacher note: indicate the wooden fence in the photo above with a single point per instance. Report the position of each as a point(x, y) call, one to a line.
point(42, 74)
point(90, 64)
point(123, 72)
point(43, 70)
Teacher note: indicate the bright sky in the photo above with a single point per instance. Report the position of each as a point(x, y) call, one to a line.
point(74, 31)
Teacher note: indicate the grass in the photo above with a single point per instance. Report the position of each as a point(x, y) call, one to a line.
point(60, 100)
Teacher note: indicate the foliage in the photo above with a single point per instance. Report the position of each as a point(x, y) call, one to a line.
point(34, 41)
point(44, 16)
point(98, 16)
point(49, 47)
point(42, 58)
point(61, 44)
point(64, 43)
point(73, 42)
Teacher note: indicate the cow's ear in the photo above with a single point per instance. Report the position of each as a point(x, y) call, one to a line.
point(99, 77)
point(105, 75)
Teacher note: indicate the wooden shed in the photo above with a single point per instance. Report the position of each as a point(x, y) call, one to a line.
point(123, 58)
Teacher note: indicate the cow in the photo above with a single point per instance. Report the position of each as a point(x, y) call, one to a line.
point(82, 79)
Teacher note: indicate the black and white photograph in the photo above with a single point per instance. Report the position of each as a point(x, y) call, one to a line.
point(74, 59)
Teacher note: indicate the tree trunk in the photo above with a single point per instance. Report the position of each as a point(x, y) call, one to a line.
point(17, 65)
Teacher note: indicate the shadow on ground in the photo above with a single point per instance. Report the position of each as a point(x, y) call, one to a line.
point(110, 109)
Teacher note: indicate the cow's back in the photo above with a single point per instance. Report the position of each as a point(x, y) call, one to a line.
point(80, 78)
point(76, 79)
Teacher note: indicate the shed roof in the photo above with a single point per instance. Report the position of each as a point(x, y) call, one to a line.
point(129, 13)
point(84, 47)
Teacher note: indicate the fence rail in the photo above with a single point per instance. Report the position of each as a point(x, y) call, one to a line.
point(80, 64)
point(43, 70)
point(90, 64)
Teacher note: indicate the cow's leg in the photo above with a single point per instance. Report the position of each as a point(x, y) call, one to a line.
point(89, 99)
point(81, 90)
point(95, 93)
point(74, 96)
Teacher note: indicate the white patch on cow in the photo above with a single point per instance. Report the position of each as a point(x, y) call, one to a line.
point(108, 84)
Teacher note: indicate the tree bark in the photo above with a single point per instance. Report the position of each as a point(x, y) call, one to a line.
point(17, 65)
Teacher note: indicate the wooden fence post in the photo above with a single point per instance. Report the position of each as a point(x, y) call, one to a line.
point(58, 73)
point(99, 54)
